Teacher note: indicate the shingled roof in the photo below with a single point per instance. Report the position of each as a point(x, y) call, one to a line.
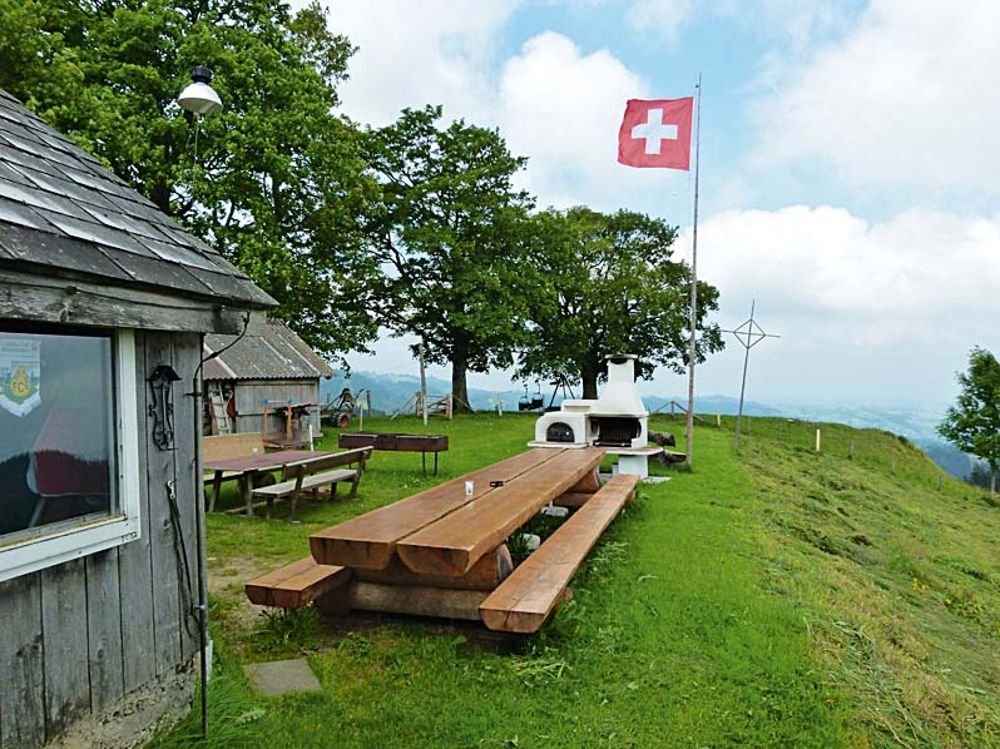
point(277, 353)
point(65, 213)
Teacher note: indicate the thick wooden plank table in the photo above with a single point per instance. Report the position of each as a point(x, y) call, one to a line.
point(253, 466)
point(451, 545)
point(369, 540)
point(442, 551)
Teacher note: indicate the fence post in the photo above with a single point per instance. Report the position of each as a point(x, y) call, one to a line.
point(818, 439)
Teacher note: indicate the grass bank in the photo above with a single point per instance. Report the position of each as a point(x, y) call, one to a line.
point(771, 598)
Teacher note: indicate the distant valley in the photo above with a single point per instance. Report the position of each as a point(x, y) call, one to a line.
point(391, 392)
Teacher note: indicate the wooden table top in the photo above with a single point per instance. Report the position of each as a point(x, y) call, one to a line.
point(266, 462)
point(370, 540)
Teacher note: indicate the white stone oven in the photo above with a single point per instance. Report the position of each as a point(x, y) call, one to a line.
point(616, 421)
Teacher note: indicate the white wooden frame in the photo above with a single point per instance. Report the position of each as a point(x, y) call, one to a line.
point(65, 544)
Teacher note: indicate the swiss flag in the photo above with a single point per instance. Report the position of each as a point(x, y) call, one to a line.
point(656, 133)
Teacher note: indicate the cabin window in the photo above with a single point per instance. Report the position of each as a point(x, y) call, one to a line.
point(68, 444)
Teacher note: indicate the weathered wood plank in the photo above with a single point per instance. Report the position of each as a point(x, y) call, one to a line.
point(187, 357)
point(135, 574)
point(104, 629)
point(296, 584)
point(67, 667)
point(160, 480)
point(454, 543)
point(22, 702)
point(31, 297)
point(369, 540)
point(528, 597)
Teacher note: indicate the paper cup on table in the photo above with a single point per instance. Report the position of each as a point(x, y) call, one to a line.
point(470, 488)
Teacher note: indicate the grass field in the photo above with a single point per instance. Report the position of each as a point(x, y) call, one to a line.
point(774, 597)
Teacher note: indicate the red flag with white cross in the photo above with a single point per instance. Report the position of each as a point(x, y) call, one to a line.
point(656, 134)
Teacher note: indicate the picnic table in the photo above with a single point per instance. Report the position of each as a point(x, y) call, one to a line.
point(250, 468)
point(441, 552)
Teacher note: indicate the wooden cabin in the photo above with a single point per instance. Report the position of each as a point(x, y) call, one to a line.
point(267, 371)
point(104, 305)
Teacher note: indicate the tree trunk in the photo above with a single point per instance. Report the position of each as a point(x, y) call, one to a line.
point(993, 484)
point(459, 387)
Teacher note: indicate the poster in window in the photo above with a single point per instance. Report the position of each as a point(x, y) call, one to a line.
point(20, 375)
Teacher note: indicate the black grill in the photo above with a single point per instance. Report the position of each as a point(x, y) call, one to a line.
point(559, 432)
point(617, 431)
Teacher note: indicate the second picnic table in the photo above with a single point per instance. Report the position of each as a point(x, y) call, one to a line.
point(441, 552)
point(250, 468)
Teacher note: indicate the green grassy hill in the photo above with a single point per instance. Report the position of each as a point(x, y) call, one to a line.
point(774, 597)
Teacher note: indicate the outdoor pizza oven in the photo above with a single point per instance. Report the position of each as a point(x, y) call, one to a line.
point(617, 419)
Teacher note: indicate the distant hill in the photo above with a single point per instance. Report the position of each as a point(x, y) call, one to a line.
point(390, 392)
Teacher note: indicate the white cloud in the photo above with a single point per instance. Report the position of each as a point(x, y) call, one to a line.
point(904, 99)
point(662, 16)
point(412, 54)
point(919, 268)
point(562, 108)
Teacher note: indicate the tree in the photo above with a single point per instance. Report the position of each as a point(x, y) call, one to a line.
point(973, 423)
point(611, 286)
point(449, 231)
point(277, 176)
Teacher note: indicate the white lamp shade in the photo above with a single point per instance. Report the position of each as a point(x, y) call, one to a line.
point(200, 98)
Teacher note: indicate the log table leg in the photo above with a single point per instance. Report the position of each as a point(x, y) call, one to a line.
point(415, 600)
point(216, 490)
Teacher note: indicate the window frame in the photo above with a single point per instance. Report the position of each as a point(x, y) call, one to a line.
point(64, 544)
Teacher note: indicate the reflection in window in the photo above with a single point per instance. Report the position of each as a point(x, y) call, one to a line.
point(57, 436)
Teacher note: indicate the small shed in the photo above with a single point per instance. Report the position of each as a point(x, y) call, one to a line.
point(272, 368)
point(104, 304)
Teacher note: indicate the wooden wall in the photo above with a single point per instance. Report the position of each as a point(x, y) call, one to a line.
point(78, 636)
point(250, 396)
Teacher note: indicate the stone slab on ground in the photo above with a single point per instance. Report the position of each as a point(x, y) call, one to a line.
point(281, 677)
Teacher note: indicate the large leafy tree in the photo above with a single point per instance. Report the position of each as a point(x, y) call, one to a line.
point(973, 423)
point(610, 286)
point(448, 230)
point(277, 175)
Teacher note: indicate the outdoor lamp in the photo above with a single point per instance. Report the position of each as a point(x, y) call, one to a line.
point(162, 408)
point(199, 97)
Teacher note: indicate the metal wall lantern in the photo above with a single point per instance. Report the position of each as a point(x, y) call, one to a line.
point(162, 408)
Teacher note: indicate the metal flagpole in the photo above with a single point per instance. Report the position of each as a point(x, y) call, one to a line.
point(693, 348)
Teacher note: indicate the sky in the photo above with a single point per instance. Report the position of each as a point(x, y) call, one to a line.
point(850, 155)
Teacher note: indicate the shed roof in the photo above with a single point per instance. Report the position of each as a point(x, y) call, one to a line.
point(277, 353)
point(63, 211)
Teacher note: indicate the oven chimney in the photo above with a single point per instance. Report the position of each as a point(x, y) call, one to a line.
point(620, 396)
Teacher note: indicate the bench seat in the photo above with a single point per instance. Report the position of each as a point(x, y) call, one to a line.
point(297, 584)
point(285, 488)
point(523, 601)
point(310, 474)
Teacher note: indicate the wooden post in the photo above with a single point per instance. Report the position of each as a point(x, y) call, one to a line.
point(718, 419)
point(850, 450)
point(423, 384)
point(818, 439)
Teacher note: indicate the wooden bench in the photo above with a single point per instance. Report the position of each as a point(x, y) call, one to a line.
point(530, 595)
point(297, 584)
point(312, 473)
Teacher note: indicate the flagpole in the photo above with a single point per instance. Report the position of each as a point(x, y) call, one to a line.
point(692, 346)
